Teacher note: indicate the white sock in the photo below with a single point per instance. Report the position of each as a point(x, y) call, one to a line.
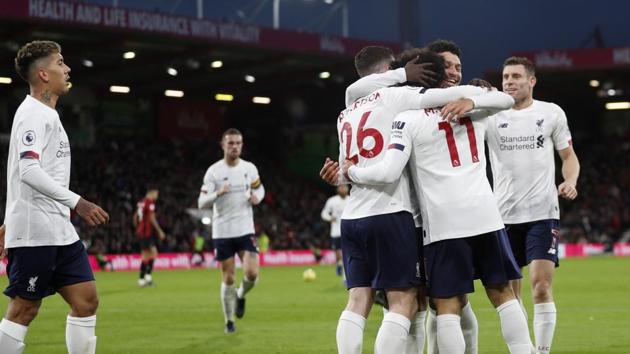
point(350, 333)
point(415, 340)
point(470, 329)
point(392, 336)
point(432, 347)
point(544, 326)
point(514, 327)
point(12, 337)
point(246, 286)
point(80, 338)
point(228, 299)
point(450, 338)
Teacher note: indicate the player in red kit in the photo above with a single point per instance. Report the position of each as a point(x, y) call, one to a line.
point(147, 228)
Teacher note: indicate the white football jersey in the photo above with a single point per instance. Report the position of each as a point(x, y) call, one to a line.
point(364, 128)
point(522, 144)
point(232, 213)
point(456, 200)
point(32, 218)
point(332, 213)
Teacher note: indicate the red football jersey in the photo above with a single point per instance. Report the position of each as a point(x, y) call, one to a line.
point(146, 208)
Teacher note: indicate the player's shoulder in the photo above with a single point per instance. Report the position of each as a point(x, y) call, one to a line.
point(219, 165)
point(33, 111)
point(248, 164)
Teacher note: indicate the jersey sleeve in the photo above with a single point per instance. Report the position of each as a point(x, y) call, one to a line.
point(208, 193)
point(368, 84)
point(561, 134)
point(326, 213)
point(257, 187)
point(31, 134)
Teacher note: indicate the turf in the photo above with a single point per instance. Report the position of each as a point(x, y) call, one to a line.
point(182, 313)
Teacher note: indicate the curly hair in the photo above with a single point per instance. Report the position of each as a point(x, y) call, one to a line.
point(442, 45)
point(422, 56)
point(32, 52)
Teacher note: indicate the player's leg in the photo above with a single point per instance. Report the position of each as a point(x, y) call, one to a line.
point(13, 327)
point(228, 292)
point(542, 253)
point(470, 328)
point(416, 338)
point(248, 253)
point(517, 238)
point(397, 263)
point(496, 266)
point(151, 257)
point(81, 322)
point(394, 330)
point(144, 255)
point(359, 275)
point(352, 320)
point(30, 278)
point(74, 280)
point(251, 267)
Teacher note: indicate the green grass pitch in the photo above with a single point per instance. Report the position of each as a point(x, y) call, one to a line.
point(182, 313)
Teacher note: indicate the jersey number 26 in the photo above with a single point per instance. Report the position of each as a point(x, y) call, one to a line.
point(362, 133)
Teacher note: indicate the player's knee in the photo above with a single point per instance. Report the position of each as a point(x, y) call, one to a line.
point(541, 291)
point(251, 274)
point(85, 307)
point(228, 279)
point(23, 314)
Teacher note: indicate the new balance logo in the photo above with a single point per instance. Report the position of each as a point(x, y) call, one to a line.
point(503, 125)
point(540, 142)
point(417, 269)
point(398, 125)
point(31, 284)
point(554, 240)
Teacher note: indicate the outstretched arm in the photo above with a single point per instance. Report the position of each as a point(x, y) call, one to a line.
point(386, 171)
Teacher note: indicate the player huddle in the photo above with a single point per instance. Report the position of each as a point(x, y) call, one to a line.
point(422, 220)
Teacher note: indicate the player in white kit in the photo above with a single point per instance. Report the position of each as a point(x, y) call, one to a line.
point(44, 250)
point(378, 233)
point(461, 223)
point(332, 213)
point(231, 187)
point(522, 141)
point(451, 53)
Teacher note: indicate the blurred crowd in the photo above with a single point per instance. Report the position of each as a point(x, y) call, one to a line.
point(115, 174)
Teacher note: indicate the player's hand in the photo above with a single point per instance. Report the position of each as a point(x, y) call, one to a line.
point(91, 213)
point(223, 190)
point(330, 171)
point(346, 166)
point(253, 199)
point(455, 109)
point(420, 73)
point(567, 190)
point(482, 83)
point(3, 251)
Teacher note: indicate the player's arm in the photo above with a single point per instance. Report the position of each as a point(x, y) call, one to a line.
point(488, 103)
point(258, 190)
point(208, 193)
point(368, 84)
point(326, 213)
point(32, 174)
point(157, 227)
point(3, 251)
point(561, 137)
point(391, 167)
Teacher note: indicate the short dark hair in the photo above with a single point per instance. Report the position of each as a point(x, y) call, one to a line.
point(368, 57)
point(31, 52)
point(423, 56)
point(442, 45)
point(231, 131)
point(529, 66)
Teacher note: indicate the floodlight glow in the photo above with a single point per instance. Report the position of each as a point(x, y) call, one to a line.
point(594, 83)
point(216, 64)
point(250, 78)
point(171, 71)
point(174, 93)
point(261, 100)
point(324, 75)
point(224, 97)
point(205, 220)
point(119, 89)
point(129, 55)
point(5, 80)
point(87, 63)
point(617, 105)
